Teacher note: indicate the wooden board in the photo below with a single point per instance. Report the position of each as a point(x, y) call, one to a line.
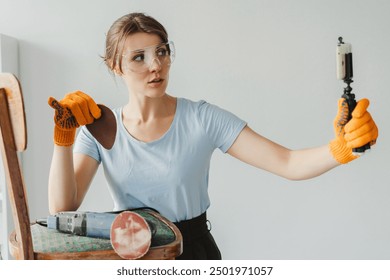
point(10, 84)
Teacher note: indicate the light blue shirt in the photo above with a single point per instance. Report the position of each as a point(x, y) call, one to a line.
point(170, 174)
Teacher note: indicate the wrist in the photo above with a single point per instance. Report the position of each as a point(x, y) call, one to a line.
point(340, 152)
point(64, 137)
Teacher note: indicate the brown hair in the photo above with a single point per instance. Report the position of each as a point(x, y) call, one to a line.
point(122, 28)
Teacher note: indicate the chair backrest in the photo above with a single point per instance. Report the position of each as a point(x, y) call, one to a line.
point(13, 138)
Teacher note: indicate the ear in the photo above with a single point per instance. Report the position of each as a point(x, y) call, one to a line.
point(117, 72)
point(114, 68)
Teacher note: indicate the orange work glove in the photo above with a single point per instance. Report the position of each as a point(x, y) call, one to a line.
point(75, 109)
point(357, 132)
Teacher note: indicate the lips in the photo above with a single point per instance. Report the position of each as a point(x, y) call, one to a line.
point(154, 81)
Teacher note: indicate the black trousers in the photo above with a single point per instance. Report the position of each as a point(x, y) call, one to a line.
point(198, 243)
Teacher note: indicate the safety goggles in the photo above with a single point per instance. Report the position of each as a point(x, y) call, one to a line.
point(140, 61)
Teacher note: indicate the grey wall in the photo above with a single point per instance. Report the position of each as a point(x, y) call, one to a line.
point(270, 62)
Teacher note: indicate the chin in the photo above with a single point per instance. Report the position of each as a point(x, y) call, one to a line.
point(155, 93)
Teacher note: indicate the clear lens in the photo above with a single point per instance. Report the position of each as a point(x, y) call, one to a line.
point(142, 60)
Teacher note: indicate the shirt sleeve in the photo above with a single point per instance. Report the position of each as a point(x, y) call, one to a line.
point(86, 144)
point(221, 126)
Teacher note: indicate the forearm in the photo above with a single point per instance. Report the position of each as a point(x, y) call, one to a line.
point(262, 153)
point(70, 176)
point(309, 163)
point(62, 181)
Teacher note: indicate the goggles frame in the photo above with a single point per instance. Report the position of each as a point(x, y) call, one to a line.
point(141, 60)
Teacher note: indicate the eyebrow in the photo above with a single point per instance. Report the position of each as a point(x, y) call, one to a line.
point(138, 51)
point(143, 50)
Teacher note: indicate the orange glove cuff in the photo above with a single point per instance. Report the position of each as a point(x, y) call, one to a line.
point(341, 152)
point(64, 137)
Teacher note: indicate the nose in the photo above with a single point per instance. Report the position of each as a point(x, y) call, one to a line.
point(155, 65)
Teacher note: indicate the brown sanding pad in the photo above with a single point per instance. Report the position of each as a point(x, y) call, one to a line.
point(104, 128)
point(130, 235)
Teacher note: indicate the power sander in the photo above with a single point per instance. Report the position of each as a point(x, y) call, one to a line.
point(130, 234)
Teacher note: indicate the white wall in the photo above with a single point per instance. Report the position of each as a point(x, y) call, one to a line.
point(270, 62)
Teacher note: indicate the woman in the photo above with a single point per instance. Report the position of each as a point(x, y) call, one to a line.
point(163, 144)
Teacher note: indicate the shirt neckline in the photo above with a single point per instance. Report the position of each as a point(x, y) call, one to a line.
point(173, 124)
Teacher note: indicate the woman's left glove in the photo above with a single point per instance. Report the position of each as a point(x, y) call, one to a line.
point(357, 132)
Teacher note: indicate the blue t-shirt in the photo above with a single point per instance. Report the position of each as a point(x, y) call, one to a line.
point(169, 174)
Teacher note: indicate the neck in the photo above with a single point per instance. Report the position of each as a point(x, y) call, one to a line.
point(146, 109)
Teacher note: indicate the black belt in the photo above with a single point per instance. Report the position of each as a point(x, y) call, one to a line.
point(194, 228)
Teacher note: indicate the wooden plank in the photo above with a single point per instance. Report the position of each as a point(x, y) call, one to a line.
point(16, 190)
point(14, 100)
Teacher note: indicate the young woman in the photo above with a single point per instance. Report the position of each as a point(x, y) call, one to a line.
point(163, 145)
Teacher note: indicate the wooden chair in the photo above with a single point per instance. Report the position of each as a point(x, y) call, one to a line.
point(33, 241)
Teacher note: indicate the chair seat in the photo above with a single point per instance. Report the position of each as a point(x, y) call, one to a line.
point(47, 240)
point(166, 240)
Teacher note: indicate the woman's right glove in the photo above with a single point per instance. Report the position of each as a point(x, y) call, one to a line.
point(357, 132)
point(75, 109)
